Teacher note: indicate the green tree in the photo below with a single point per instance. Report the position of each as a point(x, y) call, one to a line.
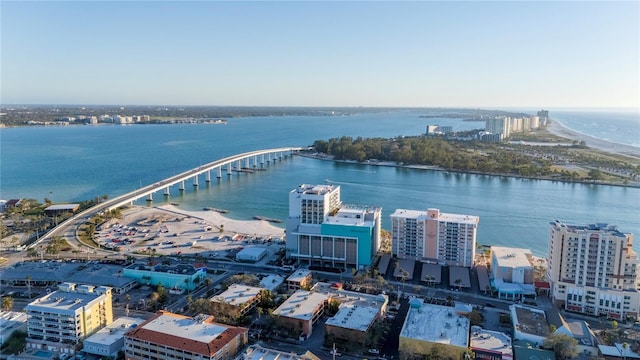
point(565, 346)
point(7, 303)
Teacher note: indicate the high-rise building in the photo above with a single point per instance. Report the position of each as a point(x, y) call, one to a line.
point(434, 236)
point(324, 232)
point(498, 125)
point(592, 270)
point(59, 320)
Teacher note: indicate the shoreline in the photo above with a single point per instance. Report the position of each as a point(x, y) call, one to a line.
point(557, 128)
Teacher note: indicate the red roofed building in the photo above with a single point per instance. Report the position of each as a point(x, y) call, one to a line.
point(171, 336)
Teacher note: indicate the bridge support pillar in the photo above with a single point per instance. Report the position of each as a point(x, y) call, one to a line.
point(238, 165)
point(255, 161)
point(219, 172)
point(182, 185)
point(166, 191)
point(208, 176)
point(246, 162)
point(268, 158)
point(195, 180)
point(150, 197)
point(262, 161)
point(229, 172)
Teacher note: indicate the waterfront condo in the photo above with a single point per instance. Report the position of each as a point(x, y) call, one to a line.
point(326, 233)
point(432, 236)
point(592, 270)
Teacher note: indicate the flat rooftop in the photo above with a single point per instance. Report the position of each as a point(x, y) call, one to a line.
point(271, 282)
point(62, 207)
point(405, 269)
point(355, 317)
point(10, 321)
point(301, 305)
point(181, 269)
point(490, 340)
point(78, 272)
point(63, 301)
point(299, 275)
point(315, 189)
point(435, 323)
point(114, 331)
point(531, 321)
point(237, 295)
point(198, 335)
point(257, 352)
point(511, 257)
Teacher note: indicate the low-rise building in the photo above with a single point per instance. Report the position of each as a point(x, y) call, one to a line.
point(271, 282)
point(490, 345)
point(300, 279)
point(60, 319)
point(445, 327)
point(512, 272)
point(237, 298)
point(59, 209)
point(356, 313)
point(585, 337)
point(181, 276)
point(11, 321)
point(529, 324)
point(257, 352)
point(110, 339)
point(252, 254)
point(171, 336)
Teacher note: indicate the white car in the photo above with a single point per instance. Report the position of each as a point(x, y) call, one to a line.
point(374, 351)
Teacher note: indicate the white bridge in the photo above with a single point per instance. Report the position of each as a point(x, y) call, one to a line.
point(245, 162)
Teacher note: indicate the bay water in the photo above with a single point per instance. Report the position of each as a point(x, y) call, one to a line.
point(75, 163)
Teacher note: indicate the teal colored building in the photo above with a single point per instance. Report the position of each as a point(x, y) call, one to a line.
point(181, 276)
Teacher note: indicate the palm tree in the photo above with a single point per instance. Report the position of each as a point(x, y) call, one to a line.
point(458, 283)
point(29, 285)
point(7, 303)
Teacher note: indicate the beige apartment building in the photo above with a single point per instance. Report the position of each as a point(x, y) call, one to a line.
point(432, 236)
point(592, 270)
point(59, 320)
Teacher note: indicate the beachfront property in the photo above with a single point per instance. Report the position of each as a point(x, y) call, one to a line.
point(529, 324)
point(171, 336)
point(326, 233)
point(592, 270)
point(512, 272)
point(505, 125)
point(60, 319)
point(181, 276)
point(238, 298)
point(357, 312)
point(300, 279)
point(488, 344)
point(257, 352)
point(418, 338)
point(110, 339)
point(60, 209)
point(432, 236)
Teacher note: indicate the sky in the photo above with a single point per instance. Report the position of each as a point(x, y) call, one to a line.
point(324, 53)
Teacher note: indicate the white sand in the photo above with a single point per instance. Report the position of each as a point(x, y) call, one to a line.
point(558, 129)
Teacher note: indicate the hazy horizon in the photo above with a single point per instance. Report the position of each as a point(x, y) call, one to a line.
point(322, 54)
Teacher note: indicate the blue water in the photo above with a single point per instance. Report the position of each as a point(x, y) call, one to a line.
point(617, 127)
point(80, 162)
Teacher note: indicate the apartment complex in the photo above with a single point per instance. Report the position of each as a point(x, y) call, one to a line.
point(59, 320)
point(326, 233)
point(430, 236)
point(171, 336)
point(506, 126)
point(592, 270)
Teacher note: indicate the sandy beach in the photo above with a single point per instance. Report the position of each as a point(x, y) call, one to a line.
point(557, 128)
